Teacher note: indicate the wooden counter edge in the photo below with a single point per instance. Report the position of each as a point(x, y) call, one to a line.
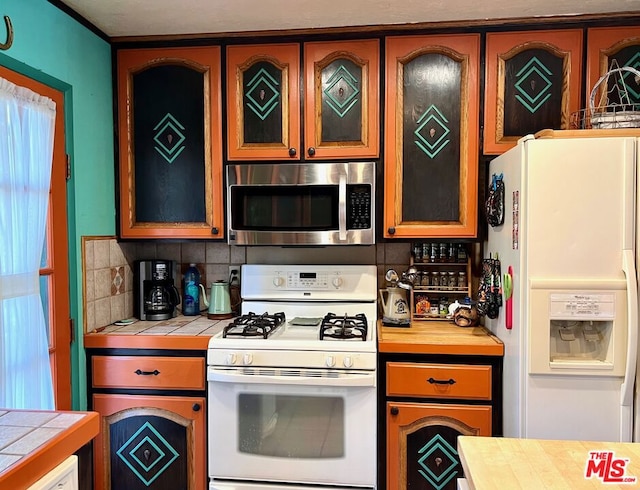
point(164, 342)
point(463, 462)
point(34, 466)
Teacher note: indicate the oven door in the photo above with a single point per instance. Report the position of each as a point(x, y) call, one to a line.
point(309, 426)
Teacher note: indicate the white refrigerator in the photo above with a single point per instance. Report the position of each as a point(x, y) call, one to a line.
point(569, 242)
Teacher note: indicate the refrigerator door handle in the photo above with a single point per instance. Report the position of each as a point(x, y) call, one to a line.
point(626, 393)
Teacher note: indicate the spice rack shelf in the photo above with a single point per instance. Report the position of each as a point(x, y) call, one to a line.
point(430, 300)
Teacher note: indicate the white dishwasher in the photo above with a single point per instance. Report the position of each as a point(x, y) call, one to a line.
point(62, 477)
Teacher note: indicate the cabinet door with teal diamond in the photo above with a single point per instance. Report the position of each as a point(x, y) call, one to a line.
point(431, 135)
point(609, 48)
point(533, 83)
point(263, 102)
point(150, 442)
point(341, 99)
point(170, 143)
point(422, 448)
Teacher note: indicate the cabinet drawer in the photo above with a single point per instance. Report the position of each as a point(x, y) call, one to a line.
point(439, 380)
point(175, 373)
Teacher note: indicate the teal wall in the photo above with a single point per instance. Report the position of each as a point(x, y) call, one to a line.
point(52, 48)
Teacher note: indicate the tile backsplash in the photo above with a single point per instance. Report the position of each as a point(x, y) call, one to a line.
point(108, 266)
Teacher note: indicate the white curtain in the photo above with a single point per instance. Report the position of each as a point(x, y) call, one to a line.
point(27, 122)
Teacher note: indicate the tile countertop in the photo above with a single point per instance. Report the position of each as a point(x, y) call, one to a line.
point(496, 462)
point(438, 337)
point(32, 443)
point(180, 333)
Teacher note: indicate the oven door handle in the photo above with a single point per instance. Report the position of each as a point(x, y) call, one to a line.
point(364, 379)
point(342, 208)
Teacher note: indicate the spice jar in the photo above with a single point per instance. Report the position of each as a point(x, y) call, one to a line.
point(452, 281)
point(443, 280)
point(462, 279)
point(435, 279)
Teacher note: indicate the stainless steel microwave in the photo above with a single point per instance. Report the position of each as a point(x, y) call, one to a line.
point(301, 203)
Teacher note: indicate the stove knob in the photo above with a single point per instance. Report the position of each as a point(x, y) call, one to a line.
point(337, 281)
point(278, 281)
point(247, 359)
point(348, 362)
point(230, 359)
point(330, 361)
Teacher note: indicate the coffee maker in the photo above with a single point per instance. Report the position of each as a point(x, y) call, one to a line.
point(155, 296)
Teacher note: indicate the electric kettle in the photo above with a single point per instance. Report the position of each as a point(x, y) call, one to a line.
point(219, 301)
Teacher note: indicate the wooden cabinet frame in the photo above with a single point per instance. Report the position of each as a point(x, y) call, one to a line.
point(205, 60)
point(501, 47)
point(464, 49)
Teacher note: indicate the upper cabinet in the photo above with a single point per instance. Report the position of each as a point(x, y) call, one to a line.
point(170, 140)
point(431, 136)
point(533, 82)
point(340, 99)
point(621, 46)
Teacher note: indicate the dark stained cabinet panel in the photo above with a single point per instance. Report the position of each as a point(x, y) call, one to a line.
point(168, 125)
point(170, 143)
point(263, 102)
point(431, 136)
point(611, 47)
point(533, 82)
point(341, 101)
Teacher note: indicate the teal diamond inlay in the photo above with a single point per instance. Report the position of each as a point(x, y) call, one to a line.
point(634, 62)
point(437, 443)
point(168, 135)
point(262, 94)
point(436, 123)
point(532, 71)
point(346, 85)
point(152, 439)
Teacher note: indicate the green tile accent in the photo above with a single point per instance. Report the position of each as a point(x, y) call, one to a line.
point(434, 124)
point(348, 85)
point(155, 440)
point(169, 147)
point(263, 94)
point(437, 443)
point(533, 72)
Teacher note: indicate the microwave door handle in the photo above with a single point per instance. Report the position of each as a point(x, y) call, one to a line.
point(342, 208)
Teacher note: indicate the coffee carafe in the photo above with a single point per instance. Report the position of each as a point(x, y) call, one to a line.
point(155, 295)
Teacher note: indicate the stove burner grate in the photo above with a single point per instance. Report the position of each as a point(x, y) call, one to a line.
point(252, 325)
point(344, 327)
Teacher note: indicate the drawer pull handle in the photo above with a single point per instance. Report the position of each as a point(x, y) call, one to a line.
point(147, 373)
point(449, 381)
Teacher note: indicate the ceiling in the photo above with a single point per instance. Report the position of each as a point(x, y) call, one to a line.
point(126, 18)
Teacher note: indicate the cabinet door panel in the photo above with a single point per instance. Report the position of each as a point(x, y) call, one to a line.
point(170, 143)
point(533, 82)
point(431, 150)
point(422, 442)
point(606, 46)
point(150, 442)
point(341, 99)
point(263, 102)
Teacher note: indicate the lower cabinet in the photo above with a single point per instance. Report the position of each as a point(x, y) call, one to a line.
point(153, 436)
point(426, 406)
point(62, 477)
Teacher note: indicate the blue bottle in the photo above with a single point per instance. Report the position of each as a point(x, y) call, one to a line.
point(190, 291)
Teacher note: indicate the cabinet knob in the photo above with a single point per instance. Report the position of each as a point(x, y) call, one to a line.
point(292, 152)
point(215, 230)
point(196, 407)
point(391, 230)
point(311, 151)
point(395, 410)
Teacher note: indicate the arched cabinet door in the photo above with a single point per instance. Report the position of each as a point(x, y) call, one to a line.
point(422, 442)
point(431, 136)
point(341, 103)
point(533, 81)
point(170, 143)
point(263, 102)
point(611, 47)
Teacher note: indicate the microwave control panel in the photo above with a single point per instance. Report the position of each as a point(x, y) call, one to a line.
point(358, 207)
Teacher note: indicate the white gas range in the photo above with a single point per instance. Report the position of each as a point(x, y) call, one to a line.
point(292, 381)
